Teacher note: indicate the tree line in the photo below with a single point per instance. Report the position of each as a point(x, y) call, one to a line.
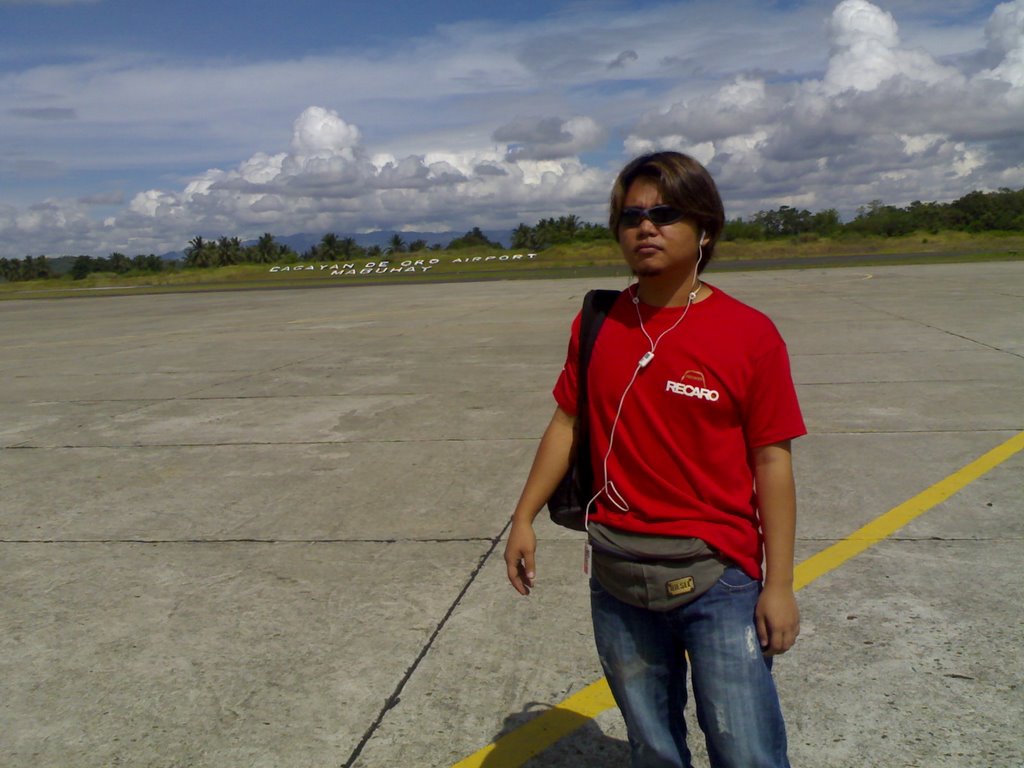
point(227, 251)
point(29, 268)
point(41, 268)
point(564, 229)
point(975, 212)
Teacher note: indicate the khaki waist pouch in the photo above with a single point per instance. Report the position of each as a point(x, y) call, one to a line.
point(656, 573)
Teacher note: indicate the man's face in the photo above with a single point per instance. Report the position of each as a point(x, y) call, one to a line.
point(652, 251)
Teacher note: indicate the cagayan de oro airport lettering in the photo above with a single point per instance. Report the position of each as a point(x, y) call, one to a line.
point(389, 267)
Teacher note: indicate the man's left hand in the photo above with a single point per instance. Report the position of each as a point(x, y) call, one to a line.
point(778, 620)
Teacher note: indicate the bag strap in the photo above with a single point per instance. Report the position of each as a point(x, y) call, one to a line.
point(596, 306)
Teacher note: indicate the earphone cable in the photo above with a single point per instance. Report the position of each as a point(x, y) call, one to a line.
point(614, 495)
point(609, 486)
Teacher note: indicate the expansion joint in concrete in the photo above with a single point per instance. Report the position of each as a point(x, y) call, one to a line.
point(434, 540)
point(260, 443)
point(391, 701)
point(971, 431)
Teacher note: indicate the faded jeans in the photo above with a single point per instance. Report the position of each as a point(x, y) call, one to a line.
point(644, 655)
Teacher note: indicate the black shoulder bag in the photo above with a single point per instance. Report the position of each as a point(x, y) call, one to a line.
point(567, 505)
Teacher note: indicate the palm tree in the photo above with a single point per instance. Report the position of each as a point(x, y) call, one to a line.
point(194, 252)
point(328, 248)
point(154, 263)
point(348, 248)
point(266, 251)
point(523, 237)
point(396, 244)
point(229, 251)
point(119, 263)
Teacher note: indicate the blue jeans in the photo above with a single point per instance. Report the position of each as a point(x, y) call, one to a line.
point(644, 655)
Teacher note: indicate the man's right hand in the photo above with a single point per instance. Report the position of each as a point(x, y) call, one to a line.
point(519, 556)
point(549, 466)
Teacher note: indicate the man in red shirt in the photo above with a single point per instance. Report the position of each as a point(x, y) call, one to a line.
point(691, 410)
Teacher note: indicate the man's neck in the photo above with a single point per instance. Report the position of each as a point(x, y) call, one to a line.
point(663, 293)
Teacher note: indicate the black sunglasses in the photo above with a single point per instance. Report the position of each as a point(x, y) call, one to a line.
point(659, 215)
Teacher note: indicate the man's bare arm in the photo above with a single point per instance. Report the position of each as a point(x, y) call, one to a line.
point(778, 618)
point(549, 466)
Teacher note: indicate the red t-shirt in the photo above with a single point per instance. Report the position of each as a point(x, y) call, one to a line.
point(718, 386)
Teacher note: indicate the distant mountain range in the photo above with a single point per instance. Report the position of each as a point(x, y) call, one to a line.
point(303, 241)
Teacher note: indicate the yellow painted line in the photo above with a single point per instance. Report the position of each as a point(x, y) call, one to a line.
point(885, 526)
point(515, 748)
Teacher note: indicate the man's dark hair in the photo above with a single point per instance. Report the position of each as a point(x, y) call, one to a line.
point(682, 182)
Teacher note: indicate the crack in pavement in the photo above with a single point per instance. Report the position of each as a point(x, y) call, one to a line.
point(391, 701)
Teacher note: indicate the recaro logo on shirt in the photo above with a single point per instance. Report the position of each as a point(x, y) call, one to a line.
point(692, 385)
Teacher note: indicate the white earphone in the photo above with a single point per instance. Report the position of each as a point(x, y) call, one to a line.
point(608, 487)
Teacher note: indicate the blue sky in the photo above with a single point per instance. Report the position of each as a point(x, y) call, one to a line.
point(133, 125)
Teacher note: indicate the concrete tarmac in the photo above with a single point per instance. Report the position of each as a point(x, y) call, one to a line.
point(265, 528)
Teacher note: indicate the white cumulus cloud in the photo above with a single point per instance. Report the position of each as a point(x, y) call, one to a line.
point(882, 121)
point(328, 180)
point(320, 131)
point(866, 51)
point(820, 104)
point(1005, 33)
